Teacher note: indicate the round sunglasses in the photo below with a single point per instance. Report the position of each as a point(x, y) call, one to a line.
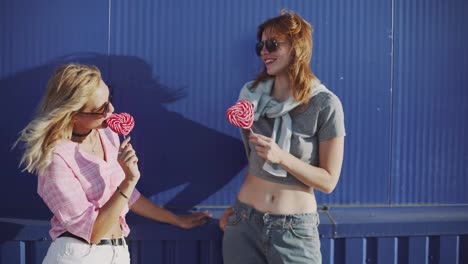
point(105, 107)
point(271, 45)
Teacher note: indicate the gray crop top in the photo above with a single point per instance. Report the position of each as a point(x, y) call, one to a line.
point(322, 119)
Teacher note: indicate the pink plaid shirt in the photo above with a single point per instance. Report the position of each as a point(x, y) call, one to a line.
point(76, 185)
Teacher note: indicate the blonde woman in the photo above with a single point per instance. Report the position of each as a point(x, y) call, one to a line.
point(86, 176)
point(297, 147)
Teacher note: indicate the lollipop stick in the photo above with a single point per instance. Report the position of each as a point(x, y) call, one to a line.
point(251, 131)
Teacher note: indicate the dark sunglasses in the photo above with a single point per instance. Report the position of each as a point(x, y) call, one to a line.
point(105, 110)
point(271, 45)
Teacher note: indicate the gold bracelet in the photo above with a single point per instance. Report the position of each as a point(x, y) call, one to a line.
point(121, 193)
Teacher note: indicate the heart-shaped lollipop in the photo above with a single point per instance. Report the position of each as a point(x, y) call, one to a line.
point(241, 114)
point(121, 124)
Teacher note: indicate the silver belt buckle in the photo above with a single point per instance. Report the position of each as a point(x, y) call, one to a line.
point(265, 217)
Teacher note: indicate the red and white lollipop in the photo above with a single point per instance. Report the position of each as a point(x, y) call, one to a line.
point(121, 124)
point(241, 114)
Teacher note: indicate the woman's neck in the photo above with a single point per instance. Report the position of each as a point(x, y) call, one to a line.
point(79, 136)
point(281, 89)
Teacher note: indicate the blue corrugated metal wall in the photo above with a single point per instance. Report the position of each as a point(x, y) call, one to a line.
point(430, 146)
point(400, 68)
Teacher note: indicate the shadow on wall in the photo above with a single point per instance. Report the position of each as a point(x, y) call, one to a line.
point(178, 157)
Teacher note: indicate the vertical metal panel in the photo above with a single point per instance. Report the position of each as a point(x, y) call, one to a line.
point(381, 250)
point(433, 250)
point(352, 56)
point(34, 36)
point(403, 250)
point(204, 49)
point(339, 251)
point(210, 251)
point(326, 247)
point(176, 41)
point(387, 250)
point(463, 257)
point(208, 52)
point(176, 251)
point(350, 235)
point(36, 251)
point(34, 33)
point(185, 250)
point(418, 249)
point(371, 250)
point(449, 249)
point(430, 154)
point(356, 250)
point(149, 250)
point(13, 252)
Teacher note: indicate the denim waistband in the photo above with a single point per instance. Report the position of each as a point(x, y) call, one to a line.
point(247, 211)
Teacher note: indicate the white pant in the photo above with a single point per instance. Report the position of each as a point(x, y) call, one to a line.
point(68, 250)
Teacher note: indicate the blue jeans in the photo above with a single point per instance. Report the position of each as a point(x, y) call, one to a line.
point(251, 236)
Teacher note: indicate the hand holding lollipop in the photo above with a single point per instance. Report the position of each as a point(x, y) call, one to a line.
point(121, 124)
point(241, 114)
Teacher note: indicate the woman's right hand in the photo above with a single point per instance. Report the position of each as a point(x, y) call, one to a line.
point(223, 220)
point(128, 160)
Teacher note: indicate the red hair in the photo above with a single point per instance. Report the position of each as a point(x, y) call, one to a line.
point(297, 31)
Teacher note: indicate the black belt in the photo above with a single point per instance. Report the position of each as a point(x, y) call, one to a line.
point(113, 241)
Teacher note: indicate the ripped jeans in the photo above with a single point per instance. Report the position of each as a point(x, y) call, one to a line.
point(251, 236)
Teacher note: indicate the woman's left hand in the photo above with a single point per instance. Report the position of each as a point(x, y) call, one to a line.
point(192, 220)
point(266, 148)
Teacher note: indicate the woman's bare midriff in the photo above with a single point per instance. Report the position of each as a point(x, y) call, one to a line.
point(275, 198)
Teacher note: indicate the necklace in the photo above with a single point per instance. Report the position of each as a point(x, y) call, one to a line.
point(96, 139)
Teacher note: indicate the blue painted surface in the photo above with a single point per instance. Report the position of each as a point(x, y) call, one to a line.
point(394, 235)
point(394, 221)
point(34, 38)
point(399, 67)
point(209, 54)
point(178, 65)
point(387, 250)
point(430, 147)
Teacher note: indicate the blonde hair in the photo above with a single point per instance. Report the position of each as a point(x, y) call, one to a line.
point(297, 31)
point(68, 90)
